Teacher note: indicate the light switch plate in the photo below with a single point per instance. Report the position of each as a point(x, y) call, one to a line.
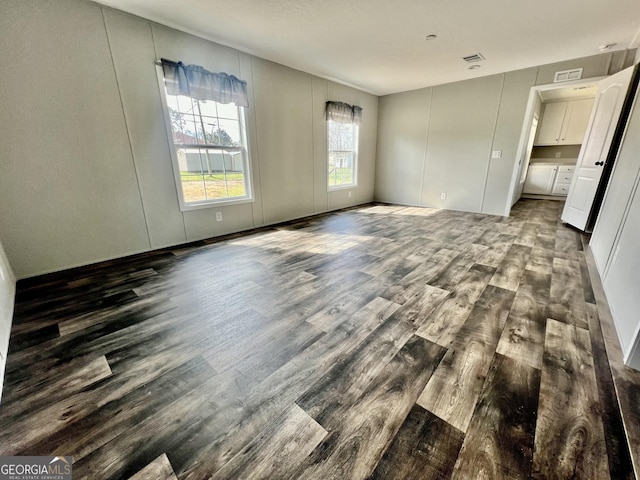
point(496, 154)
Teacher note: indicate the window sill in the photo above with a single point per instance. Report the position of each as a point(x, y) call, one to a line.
point(342, 187)
point(213, 204)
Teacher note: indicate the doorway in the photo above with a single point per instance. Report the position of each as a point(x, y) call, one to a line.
point(554, 126)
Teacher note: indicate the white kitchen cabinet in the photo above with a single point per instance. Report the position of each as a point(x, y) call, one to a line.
point(578, 113)
point(560, 189)
point(540, 179)
point(548, 179)
point(564, 123)
point(550, 126)
point(563, 180)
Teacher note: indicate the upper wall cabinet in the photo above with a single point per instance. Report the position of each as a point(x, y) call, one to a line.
point(564, 123)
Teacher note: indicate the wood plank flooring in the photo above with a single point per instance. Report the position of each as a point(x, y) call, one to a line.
point(379, 342)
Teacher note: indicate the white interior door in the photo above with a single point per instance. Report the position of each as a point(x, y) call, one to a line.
point(597, 141)
point(624, 178)
point(621, 284)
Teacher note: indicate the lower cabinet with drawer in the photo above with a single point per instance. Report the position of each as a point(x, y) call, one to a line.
point(563, 180)
point(548, 179)
point(561, 189)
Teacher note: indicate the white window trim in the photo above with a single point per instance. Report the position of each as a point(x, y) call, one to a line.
point(209, 203)
point(355, 166)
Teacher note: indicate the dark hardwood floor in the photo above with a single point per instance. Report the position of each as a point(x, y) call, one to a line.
point(380, 342)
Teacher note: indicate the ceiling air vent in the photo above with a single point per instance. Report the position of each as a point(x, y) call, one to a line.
point(476, 57)
point(567, 75)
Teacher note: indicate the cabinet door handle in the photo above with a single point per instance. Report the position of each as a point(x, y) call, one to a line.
point(599, 163)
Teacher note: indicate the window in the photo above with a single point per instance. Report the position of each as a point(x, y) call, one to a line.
point(343, 122)
point(343, 153)
point(210, 154)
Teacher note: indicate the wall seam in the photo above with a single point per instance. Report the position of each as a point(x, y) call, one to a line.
point(126, 126)
point(255, 110)
point(246, 127)
point(426, 148)
point(626, 57)
point(326, 151)
point(535, 82)
point(376, 158)
point(313, 144)
point(493, 139)
point(609, 62)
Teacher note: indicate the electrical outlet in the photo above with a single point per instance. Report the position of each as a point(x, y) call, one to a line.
point(349, 193)
point(218, 216)
point(558, 154)
point(443, 196)
point(496, 154)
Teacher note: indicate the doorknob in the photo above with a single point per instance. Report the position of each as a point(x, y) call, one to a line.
point(599, 163)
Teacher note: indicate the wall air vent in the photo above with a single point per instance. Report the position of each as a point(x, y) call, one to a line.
point(476, 57)
point(567, 75)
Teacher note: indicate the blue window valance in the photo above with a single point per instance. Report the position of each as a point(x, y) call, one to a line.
point(196, 82)
point(341, 112)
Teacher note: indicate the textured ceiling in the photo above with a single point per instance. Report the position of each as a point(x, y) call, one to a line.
point(379, 46)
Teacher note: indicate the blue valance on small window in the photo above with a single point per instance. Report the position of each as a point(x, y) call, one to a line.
point(341, 112)
point(196, 82)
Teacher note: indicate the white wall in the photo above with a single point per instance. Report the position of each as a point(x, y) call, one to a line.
point(439, 139)
point(460, 134)
point(7, 295)
point(403, 124)
point(86, 169)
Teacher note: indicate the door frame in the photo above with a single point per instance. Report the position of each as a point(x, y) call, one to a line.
point(7, 300)
point(534, 97)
